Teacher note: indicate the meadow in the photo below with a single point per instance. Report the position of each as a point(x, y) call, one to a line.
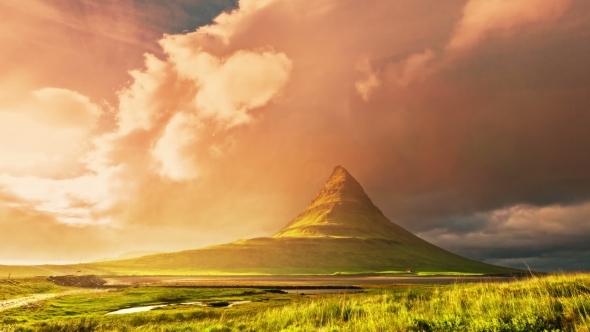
point(16, 288)
point(559, 302)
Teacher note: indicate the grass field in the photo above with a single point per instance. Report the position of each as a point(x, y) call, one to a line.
point(15, 288)
point(550, 303)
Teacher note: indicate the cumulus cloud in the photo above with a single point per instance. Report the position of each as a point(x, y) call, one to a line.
point(227, 23)
point(173, 149)
point(482, 18)
point(162, 118)
point(141, 103)
point(213, 91)
point(228, 88)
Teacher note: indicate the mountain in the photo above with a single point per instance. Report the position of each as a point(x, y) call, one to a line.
point(136, 254)
point(341, 231)
point(342, 209)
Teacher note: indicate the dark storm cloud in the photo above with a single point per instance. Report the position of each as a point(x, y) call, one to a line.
point(546, 238)
point(505, 125)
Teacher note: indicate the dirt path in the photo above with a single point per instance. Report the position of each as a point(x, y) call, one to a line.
point(23, 301)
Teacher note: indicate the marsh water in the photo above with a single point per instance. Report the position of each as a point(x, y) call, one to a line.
point(136, 309)
point(150, 307)
point(306, 285)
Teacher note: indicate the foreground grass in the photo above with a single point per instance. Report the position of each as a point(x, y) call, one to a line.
point(551, 303)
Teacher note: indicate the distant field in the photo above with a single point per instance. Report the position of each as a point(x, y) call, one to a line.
point(49, 270)
point(298, 281)
point(550, 303)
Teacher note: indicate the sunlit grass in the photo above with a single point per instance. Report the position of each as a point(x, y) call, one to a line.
point(549, 303)
point(13, 288)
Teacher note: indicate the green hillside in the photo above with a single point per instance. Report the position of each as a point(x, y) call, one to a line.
point(304, 256)
point(341, 231)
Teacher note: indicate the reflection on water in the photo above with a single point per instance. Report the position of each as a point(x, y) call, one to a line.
point(136, 309)
point(231, 304)
point(150, 307)
point(194, 303)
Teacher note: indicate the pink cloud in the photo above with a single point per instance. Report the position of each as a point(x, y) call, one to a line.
point(414, 67)
point(370, 81)
point(140, 104)
point(487, 17)
point(47, 132)
point(173, 149)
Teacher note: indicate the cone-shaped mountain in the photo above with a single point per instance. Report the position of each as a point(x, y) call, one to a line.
point(341, 209)
point(340, 231)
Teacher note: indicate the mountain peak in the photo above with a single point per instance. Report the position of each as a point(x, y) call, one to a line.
point(341, 208)
point(341, 187)
point(340, 172)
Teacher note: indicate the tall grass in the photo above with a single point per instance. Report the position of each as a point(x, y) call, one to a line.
point(550, 303)
point(556, 303)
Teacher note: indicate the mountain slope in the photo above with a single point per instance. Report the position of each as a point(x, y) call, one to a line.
point(340, 231)
point(342, 209)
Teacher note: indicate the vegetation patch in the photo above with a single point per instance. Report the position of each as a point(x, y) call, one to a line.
point(14, 288)
point(548, 303)
point(78, 281)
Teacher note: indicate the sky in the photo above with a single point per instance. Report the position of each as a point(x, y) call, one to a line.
point(132, 125)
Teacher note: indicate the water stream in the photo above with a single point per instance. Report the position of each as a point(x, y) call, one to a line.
point(150, 307)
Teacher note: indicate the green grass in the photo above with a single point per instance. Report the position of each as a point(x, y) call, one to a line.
point(100, 303)
point(550, 303)
point(22, 287)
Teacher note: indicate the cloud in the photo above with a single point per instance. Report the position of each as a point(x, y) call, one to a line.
point(482, 18)
point(81, 200)
point(173, 149)
point(89, 46)
point(246, 80)
point(65, 107)
point(49, 130)
point(142, 102)
point(370, 80)
point(227, 23)
point(228, 87)
point(537, 236)
point(162, 119)
point(38, 236)
point(413, 68)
